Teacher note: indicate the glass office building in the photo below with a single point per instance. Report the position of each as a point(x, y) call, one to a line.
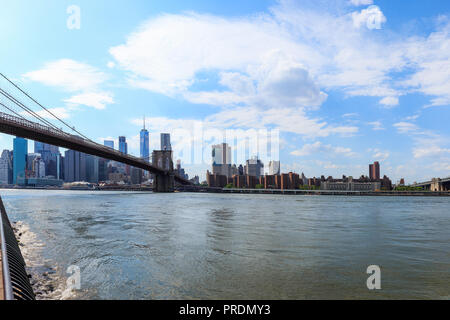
point(20, 153)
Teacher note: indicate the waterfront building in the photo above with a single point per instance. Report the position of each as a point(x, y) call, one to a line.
point(50, 155)
point(254, 167)
point(386, 183)
point(136, 175)
point(364, 183)
point(239, 181)
point(102, 169)
point(277, 182)
point(181, 172)
point(109, 143)
point(314, 182)
point(195, 180)
point(304, 180)
point(117, 178)
point(20, 160)
point(269, 182)
point(6, 167)
point(285, 183)
point(350, 186)
point(38, 168)
point(74, 166)
point(251, 181)
point(221, 154)
point(44, 182)
point(294, 180)
point(92, 168)
point(274, 168)
point(30, 172)
point(145, 144)
point(123, 146)
point(40, 147)
point(165, 142)
point(221, 160)
point(374, 171)
point(216, 180)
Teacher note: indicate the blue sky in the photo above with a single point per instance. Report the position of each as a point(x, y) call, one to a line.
point(346, 82)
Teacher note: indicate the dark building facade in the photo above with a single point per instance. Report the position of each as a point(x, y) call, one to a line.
point(374, 171)
point(216, 180)
point(74, 166)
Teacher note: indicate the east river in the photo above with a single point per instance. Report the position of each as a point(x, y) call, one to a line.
point(232, 246)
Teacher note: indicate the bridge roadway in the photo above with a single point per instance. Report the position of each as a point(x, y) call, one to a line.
point(31, 130)
point(436, 184)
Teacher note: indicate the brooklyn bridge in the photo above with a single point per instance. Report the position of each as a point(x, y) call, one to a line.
point(14, 122)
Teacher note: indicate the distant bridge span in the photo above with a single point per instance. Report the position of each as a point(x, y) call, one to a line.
point(435, 184)
point(31, 130)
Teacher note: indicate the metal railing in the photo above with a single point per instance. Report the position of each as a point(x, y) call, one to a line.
point(14, 121)
point(15, 279)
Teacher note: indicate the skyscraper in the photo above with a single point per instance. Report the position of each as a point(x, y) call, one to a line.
point(39, 147)
point(49, 155)
point(254, 167)
point(221, 159)
point(20, 160)
point(221, 154)
point(6, 167)
point(74, 166)
point(123, 147)
point(109, 143)
point(274, 168)
point(92, 168)
point(165, 142)
point(374, 171)
point(145, 144)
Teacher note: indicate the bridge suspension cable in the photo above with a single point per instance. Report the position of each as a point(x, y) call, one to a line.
point(35, 115)
point(25, 108)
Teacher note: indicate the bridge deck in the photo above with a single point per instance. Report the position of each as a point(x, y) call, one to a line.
point(31, 130)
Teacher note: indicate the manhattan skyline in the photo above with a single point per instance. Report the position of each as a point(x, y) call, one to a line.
point(341, 92)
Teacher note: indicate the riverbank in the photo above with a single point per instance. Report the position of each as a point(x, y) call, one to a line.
point(203, 189)
point(340, 193)
point(315, 192)
point(44, 277)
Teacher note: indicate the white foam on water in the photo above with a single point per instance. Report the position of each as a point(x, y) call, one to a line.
point(46, 280)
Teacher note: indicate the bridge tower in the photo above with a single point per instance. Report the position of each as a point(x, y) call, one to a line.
point(436, 185)
point(163, 182)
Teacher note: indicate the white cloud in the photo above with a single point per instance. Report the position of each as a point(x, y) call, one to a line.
point(413, 117)
point(376, 125)
point(97, 100)
point(430, 151)
point(75, 77)
point(67, 74)
point(350, 115)
point(283, 59)
point(430, 58)
point(286, 120)
point(361, 2)
point(405, 127)
point(389, 101)
point(379, 155)
point(254, 58)
point(318, 146)
point(371, 17)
